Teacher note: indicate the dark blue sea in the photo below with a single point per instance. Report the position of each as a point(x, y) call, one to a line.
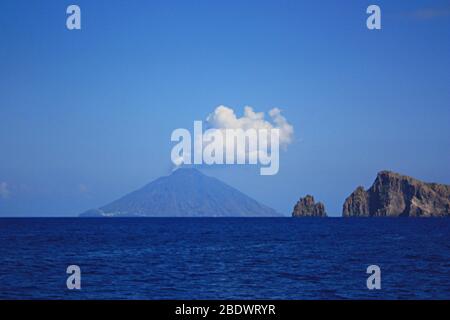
point(224, 258)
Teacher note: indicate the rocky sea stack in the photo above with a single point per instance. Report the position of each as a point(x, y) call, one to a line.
point(306, 207)
point(396, 195)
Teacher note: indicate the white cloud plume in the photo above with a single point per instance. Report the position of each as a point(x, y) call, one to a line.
point(4, 190)
point(225, 138)
point(225, 118)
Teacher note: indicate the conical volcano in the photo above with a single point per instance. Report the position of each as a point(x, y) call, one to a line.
point(185, 193)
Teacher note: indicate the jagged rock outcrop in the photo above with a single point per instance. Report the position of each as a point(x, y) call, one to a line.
point(396, 195)
point(306, 207)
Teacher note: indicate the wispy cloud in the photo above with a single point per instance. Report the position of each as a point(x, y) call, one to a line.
point(4, 190)
point(430, 13)
point(82, 188)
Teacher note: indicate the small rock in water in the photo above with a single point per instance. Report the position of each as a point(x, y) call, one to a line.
point(306, 207)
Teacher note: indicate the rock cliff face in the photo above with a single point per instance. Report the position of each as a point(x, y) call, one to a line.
point(395, 195)
point(306, 207)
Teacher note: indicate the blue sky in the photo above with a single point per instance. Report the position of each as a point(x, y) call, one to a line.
point(86, 116)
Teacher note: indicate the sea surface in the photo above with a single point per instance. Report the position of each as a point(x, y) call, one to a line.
point(224, 258)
